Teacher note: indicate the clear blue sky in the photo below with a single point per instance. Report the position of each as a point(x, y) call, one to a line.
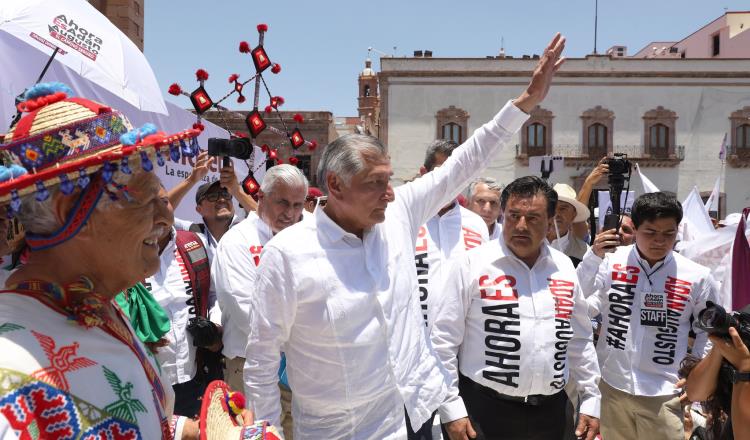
point(321, 45)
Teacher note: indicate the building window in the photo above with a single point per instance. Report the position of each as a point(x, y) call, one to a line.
point(536, 134)
point(715, 44)
point(659, 133)
point(742, 136)
point(452, 132)
point(452, 124)
point(597, 136)
point(366, 90)
point(598, 124)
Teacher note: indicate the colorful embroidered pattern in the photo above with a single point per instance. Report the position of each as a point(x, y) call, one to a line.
point(112, 429)
point(36, 410)
point(39, 411)
point(9, 327)
point(46, 149)
point(126, 407)
point(61, 362)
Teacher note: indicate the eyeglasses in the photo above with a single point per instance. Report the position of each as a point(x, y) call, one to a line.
point(214, 196)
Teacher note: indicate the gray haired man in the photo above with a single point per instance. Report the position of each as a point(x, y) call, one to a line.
point(338, 292)
point(484, 200)
point(280, 204)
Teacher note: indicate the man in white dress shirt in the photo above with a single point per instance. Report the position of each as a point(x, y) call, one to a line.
point(280, 203)
point(513, 329)
point(484, 200)
point(338, 291)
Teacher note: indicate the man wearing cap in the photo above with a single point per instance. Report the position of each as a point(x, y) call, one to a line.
point(213, 202)
point(280, 204)
point(569, 210)
point(71, 366)
point(311, 201)
point(484, 200)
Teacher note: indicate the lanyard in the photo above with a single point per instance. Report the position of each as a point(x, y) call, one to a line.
point(648, 275)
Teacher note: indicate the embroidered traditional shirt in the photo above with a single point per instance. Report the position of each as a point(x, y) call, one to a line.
point(441, 241)
point(516, 330)
point(646, 318)
point(345, 310)
point(59, 379)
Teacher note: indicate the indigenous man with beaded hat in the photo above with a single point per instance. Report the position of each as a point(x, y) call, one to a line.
point(80, 185)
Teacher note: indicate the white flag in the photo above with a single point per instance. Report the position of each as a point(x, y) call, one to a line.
point(695, 222)
point(712, 203)
point(648, 185)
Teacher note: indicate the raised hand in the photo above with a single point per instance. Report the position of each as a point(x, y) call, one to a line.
point(200, 169)
point(542, 76)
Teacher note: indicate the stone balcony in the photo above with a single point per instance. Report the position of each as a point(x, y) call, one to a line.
point(575, 155)
point(738, 157)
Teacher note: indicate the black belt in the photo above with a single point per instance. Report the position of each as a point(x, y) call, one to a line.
point(532, 400)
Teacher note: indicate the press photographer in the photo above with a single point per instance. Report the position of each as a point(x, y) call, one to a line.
point(722, 378)
point(618, 227)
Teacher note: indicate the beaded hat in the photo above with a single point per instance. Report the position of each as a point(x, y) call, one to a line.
point(219, 413)
point(74, 142)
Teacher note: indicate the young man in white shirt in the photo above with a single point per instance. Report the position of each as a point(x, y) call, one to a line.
point(281, 200)
point(484, 200)
point(440, 242)
point(336, 294)
point(512, 330)
point(647, 294)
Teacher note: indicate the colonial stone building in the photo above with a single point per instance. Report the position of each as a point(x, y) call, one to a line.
point(668, 114)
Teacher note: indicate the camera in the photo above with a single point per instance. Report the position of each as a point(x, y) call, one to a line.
point(619, 172)
point(715, 321)
point(204, 332)
point(239, 147)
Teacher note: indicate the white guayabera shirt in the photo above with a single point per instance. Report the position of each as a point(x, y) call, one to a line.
point(345, 310)
point(519, 331)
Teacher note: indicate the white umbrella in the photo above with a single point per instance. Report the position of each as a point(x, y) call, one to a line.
point(88, 43)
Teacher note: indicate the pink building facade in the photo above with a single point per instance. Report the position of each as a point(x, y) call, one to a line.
point(725, 37)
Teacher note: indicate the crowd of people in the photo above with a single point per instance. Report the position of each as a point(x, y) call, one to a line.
point(351, 311)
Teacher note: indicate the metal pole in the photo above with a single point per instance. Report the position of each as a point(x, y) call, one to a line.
point(19, 98)
point(596, 19)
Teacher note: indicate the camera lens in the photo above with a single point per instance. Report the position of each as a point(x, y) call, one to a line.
point(709, 318)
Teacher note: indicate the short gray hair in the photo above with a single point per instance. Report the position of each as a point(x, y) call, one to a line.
point(284, 173)
point(440, 146)
point(492, 185)
point(40, 217)
point(345, 157)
